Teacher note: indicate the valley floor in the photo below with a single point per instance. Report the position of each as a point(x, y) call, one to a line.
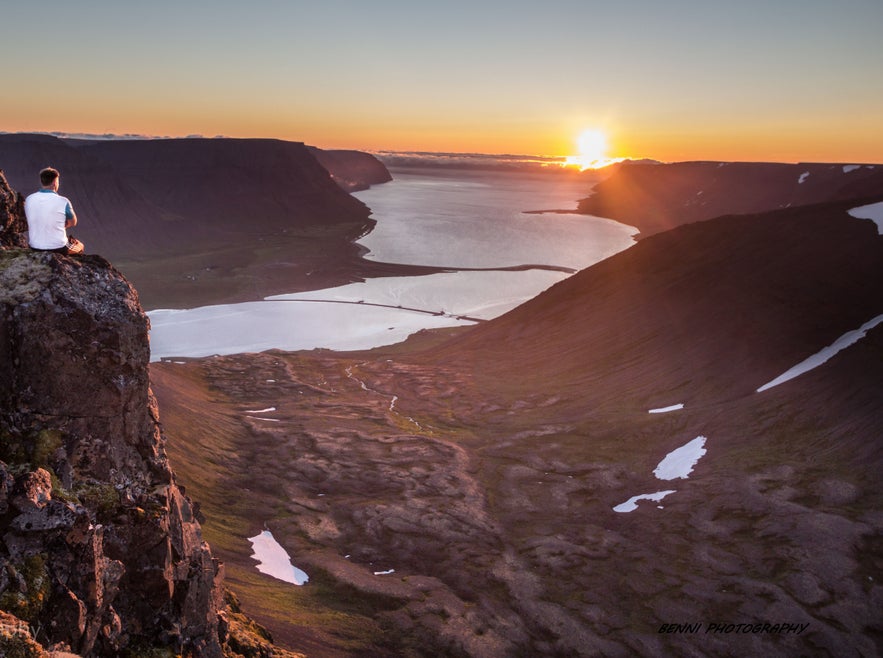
point(495, 511)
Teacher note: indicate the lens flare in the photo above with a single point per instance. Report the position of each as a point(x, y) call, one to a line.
point(592, 147)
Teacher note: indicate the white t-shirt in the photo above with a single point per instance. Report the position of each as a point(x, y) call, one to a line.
point(47, 212)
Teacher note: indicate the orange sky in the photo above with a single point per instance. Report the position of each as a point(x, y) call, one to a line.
point(680, 80)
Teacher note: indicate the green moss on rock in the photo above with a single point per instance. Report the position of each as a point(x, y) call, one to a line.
point(102, 499)
point(27, 601)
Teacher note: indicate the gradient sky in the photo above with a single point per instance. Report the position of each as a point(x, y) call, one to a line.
point(783, 80)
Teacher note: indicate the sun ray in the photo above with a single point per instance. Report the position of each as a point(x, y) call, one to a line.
point(592, 147)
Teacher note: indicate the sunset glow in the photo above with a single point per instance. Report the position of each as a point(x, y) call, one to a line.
point(593, 148)
point(771, 86)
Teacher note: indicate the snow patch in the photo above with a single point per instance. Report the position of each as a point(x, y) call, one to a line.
point(817, 359)
point(848, 168)
point(260, 411)
point(873, 211)
point(803, 177)
point(384, 573)
point(679, 463)
point(662, 410)
point(632, 503)
point(274, 561)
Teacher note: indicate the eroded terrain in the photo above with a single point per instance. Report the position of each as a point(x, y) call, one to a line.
point(490, 520)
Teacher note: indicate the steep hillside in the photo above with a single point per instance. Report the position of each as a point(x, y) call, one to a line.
point(225, 188)
point(706, 308)
point(658, 197)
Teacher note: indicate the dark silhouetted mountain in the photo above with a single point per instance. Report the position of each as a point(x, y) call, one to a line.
point(655, 198)
point(352, 170)
point(223, 189)
point(199, 221)
point(184, 195)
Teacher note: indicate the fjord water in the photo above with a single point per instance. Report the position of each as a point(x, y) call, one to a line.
point(478, 219)
point(449, 218)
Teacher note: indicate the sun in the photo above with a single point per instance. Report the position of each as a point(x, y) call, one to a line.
point(592, 146)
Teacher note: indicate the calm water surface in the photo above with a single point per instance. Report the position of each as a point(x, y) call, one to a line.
point(457, 219)
point(477, 219)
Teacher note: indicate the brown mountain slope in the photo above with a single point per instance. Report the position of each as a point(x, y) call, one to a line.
point(709, 310)
point(658, 197)
point(486, 471)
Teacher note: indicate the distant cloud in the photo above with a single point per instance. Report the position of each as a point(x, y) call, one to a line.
point(486, 161)
point(467, 160)
point(97, 136)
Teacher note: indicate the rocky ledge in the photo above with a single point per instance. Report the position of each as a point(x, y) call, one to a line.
point(101, 551)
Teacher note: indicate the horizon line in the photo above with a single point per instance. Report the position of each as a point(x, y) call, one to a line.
point(514, 157)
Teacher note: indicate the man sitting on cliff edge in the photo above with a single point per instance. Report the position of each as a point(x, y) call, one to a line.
point(49, 216)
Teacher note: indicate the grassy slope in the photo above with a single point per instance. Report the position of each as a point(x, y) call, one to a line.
point(206, 448)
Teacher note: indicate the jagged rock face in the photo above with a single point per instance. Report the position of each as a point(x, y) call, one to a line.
point(100, 547)
point(12, 216)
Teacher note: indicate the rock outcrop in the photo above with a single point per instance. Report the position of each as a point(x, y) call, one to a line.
point(12, 216)
point(101, 550)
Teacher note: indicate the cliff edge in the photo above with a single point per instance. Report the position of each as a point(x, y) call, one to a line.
point(101, 552)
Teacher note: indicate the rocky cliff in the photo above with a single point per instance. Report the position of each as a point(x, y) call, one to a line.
point(12, 216)
point(100, 550)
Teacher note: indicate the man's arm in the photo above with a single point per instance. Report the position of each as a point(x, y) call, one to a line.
point(70, 217)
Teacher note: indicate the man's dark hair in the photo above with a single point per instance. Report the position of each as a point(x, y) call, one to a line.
point(48, 175)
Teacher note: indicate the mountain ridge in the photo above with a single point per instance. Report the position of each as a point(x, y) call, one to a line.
point(657, 197)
